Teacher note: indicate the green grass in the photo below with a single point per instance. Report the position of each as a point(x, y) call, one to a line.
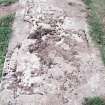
point(87, 2)
point(97, 31)
point(93, 101)
point(7, 2)
point(5, 31)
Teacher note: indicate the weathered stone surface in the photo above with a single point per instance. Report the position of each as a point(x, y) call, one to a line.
point(55, 63)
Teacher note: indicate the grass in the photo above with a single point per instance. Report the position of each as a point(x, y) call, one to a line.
point(5, 31)
point(93, 101)
point(97, 31)
point(7, 2)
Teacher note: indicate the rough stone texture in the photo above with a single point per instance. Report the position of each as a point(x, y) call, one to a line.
point(51, 59)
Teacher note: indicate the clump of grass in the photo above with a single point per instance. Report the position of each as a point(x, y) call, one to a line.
point(96, 27)
point(87, 2)
point(93, 101)
point(7, 2)
point(5, 31)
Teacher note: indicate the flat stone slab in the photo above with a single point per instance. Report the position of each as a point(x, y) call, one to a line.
point(51, 59)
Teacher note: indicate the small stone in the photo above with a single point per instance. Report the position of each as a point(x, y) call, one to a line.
point(65, 100)
point(4, 74)
point(44, 26)
point(70, 3)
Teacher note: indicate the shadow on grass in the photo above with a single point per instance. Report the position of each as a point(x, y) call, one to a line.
point(7, 2)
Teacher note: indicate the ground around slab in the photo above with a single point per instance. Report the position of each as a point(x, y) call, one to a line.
point(51, 59)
